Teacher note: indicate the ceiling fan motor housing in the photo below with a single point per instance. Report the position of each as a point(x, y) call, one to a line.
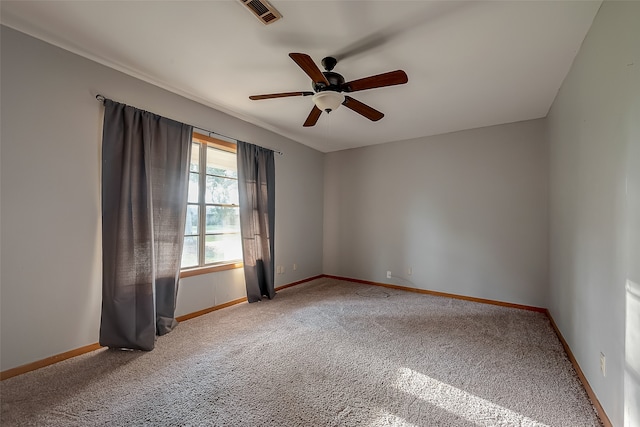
point(335, 82)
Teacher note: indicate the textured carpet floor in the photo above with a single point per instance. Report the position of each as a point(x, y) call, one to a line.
point(324, 353)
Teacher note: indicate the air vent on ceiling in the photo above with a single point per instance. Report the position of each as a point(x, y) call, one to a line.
point(262, 10)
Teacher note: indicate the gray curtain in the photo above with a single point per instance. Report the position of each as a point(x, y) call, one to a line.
point(256, 187)
point(145, 167)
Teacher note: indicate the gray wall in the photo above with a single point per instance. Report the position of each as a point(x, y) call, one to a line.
point(466, 211)
point(594, 161)
point(50, 178)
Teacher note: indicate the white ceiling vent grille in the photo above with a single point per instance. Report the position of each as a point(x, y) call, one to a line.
point(262, 10)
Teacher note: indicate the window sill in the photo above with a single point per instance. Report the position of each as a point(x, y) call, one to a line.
point(209, 269)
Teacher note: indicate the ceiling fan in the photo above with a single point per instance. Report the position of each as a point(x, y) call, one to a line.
point(328, 87)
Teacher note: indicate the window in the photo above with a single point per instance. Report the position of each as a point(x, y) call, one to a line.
point(212, 227)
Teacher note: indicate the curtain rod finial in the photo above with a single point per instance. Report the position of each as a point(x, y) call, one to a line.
point(100, 98)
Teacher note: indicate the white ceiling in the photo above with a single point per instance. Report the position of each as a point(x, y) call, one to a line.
point(470, 64)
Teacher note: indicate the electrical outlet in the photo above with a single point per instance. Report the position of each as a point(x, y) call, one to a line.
point(295, 267)
point(388, 274)
point(603, 365)
point(409, 271)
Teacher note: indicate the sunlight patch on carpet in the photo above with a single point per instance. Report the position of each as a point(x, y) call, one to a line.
point(459, 402)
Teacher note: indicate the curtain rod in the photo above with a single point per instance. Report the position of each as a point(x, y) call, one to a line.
point(102, 98)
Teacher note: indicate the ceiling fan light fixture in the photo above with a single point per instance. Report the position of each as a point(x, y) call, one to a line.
point(328, 100)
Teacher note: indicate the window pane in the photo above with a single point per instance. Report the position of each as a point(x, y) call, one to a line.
point(221, 190)
point(194, 166)
point(191, 224)
point(223, 219)
point(222, 247)
point(190, 252)
point(221, 162)
point(194, 186)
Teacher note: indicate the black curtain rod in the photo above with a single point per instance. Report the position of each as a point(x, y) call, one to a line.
point(101, 98)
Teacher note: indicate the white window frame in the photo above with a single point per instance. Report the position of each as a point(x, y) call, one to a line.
point(203, 142)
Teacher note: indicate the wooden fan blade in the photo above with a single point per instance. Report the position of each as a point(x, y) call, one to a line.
point(279, 95)
point(305, 62)
point(391, 78)
point(314, 115)
point(363, 109)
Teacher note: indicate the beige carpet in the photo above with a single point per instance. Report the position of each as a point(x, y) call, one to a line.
point(324, 353)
